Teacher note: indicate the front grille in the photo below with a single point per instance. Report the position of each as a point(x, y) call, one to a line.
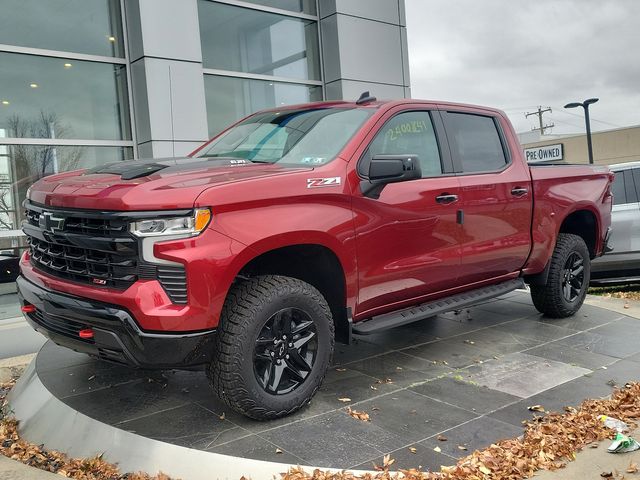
point(91, 249)
point(94, 248)
point(63, 326)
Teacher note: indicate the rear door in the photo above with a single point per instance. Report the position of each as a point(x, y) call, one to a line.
point(496, 196)
point(407, 239)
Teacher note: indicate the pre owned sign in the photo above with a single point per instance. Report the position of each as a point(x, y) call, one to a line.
point(544, 153)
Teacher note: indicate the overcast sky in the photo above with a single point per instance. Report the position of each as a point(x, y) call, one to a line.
point(516, 55)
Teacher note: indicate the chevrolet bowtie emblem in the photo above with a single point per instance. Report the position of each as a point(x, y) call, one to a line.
point(50, 222)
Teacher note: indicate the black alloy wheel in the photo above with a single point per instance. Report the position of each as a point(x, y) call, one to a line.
point(573, 277)
point(285, 351)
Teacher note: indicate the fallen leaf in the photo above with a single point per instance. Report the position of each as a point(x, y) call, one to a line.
point(413, 449)
point(373, 387)
point(91, 377)
point(536, 408)
point(626, 305)
point(485, 470)
point(398, 368)
point(375, 409)
point(278, 450)
point(364, 416)
point(470, 342)
point(462, 447)
point(593, 445)
point(632, 468)
point(442, 438)
point(437, 449)
point(223, 416)
point(606, 474)
point(341, 369)
point(344, 399)
point(387, 461)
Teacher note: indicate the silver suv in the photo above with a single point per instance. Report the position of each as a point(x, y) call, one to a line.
point(622, 264)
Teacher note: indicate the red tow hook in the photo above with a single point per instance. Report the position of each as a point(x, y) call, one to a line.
point(86, 333)
point(28, 308)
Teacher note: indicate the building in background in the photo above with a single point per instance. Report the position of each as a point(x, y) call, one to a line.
point(86, 82)
point(619, 145)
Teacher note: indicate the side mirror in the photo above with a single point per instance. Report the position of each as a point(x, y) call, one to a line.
point(385, 169)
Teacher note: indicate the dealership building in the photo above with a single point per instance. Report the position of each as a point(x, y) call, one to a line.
point(87, 82)
point(619, 145)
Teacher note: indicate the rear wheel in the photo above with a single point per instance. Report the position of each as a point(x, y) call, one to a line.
point(569, 274)
point(273, 348)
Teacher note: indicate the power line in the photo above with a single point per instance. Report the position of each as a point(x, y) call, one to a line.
point(539, 113)
point(592, 119)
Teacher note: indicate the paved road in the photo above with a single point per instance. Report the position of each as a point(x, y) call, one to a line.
point(18, 338)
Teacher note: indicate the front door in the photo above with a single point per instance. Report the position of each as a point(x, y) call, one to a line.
point(407, 239)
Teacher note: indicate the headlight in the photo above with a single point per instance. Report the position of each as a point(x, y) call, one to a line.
point(187, 226)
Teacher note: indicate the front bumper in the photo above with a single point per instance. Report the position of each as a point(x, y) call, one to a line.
point(116, 338)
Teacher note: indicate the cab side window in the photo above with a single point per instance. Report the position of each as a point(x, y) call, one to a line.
point(408, 133)
point(476, 142)
point(624, 187)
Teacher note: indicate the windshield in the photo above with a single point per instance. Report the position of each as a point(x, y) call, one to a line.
point(303, 137)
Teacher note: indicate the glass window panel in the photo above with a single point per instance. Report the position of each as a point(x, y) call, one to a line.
point(618, 189)
point(409, 133)
point(230, 99)
point(303, 6)
point(251, 41)
point(290, 136)
point(476, 141)
point(22, 165)
point(629, 187)
point(44, 97)
point(83, 26)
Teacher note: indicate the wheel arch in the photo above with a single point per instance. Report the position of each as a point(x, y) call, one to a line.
point(584, 223)
point(313, 263)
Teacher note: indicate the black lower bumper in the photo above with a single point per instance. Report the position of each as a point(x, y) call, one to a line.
point(116, 336)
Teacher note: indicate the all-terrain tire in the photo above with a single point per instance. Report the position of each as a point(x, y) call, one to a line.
point(550, 298)
point(249, 306)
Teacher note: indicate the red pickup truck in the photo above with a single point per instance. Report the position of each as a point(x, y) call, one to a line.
point(298, 227)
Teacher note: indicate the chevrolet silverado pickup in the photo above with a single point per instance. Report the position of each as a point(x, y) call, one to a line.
point(299, 227)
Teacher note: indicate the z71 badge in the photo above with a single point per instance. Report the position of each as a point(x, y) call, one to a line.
point(323, 182)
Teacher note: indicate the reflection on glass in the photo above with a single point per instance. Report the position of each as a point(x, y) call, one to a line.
point(229, 99)
point(303, 6)
point(251, 41)
point(73, 98)
point(82, 26)
point(22, 165)
point(291, 136)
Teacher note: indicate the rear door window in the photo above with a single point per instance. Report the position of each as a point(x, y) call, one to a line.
point(476, 142)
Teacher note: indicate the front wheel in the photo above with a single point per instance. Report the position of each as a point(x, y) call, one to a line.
point(273, 348)
point(569, 275)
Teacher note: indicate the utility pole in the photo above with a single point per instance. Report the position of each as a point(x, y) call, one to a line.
point(539, 114)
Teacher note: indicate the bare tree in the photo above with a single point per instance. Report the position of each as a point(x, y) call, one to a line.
point(30, 163)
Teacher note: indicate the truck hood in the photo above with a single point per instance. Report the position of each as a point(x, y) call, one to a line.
point(172, 183)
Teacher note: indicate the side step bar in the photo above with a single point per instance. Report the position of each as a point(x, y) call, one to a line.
point(430, 309)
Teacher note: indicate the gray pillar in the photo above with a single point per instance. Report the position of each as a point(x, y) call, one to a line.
point(364, 46)
point(166, 76)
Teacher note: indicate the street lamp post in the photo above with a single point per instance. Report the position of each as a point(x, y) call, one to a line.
point(585, 105)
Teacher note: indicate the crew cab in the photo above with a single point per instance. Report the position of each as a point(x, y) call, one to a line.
point(298, 227)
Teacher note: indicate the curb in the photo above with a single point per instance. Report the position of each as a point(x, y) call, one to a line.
point(14, 470)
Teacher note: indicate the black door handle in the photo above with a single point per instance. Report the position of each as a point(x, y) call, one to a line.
point(446, 198)
point(519, 191)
